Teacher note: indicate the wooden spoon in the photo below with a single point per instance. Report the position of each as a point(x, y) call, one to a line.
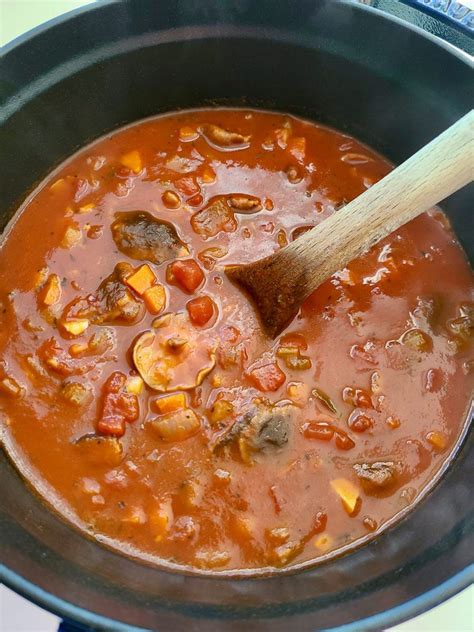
point(281, 282)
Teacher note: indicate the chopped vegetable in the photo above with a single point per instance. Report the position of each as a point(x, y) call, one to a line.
point(50, 293)
point(377, 475)
point(118, 406)
point(141, 236)
point(323, 542)
point(214, 218)
point(278, 535)
point(169, 403)
point(284, 553)
point(100, 450)
point(357, 397)
point(171, 199)
point(324, 399)
point(142, 279)
point(359, 422)
point(132, 161)
point(201, 310)
point(187, 274)
point(75, 326)
point(348, 493)
point(134, 385)
point(155, 299)
point(297, 362)
point(211, 559)
point(268, 377)
point(321, 429)
point(177, 425)
point(437, 439)
point(174, 356)
point(417, 340)
point(242, 203)
point(224, 139)
point(220, 410)
point(10, 387)
point(72, 236)
point(76, 393)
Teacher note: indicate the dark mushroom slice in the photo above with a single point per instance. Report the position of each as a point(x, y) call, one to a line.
point(141, 236)
point(111, 303)
point(264, 429)
point(378, 475)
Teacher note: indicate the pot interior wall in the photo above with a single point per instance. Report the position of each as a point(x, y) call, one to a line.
point(328, 61)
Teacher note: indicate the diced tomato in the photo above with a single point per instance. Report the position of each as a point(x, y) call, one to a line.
point(118, 406)
point(268, 377)
point(201, 310)
point(186, 185)
point(187, 274)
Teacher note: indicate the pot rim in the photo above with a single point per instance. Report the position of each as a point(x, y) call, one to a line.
point(395, 615)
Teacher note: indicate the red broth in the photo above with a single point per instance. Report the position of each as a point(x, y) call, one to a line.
point(137, 391)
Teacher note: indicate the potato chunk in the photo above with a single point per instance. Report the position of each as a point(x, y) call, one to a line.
point(100, 450)
point(174, 356)
point(348, 493)
point(176, 426)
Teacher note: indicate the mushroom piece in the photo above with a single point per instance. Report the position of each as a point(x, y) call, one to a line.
point(224, 139)
point(174, 356)
point(141, 236)
point(263, 429)
point(377, 475)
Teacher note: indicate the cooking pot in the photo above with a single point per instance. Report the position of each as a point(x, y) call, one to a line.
point(344, 64)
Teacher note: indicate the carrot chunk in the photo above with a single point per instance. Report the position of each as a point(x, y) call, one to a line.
point(142, 279)
point(169, 403)
point(200, 310)
point(268, 377)
point(155, 299)
point(187, 274)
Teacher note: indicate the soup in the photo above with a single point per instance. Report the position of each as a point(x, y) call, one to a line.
point(138, 393)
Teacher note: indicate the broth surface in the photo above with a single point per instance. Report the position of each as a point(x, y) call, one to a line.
point(144, 402)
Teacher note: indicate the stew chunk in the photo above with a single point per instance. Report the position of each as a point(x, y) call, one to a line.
point(141, 236)
point(174, 355)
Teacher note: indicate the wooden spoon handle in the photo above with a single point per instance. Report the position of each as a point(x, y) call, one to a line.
point(432, 174)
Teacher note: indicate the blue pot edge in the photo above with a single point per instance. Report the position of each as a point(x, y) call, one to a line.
point(398, 614)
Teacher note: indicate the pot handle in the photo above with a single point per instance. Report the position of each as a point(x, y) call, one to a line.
point(450, 20)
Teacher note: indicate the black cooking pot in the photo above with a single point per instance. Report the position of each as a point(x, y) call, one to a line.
point(389, 84)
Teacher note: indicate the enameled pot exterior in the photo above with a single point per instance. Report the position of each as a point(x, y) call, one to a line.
point(336, 62)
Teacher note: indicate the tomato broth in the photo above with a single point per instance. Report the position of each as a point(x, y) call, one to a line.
point(138, 393)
